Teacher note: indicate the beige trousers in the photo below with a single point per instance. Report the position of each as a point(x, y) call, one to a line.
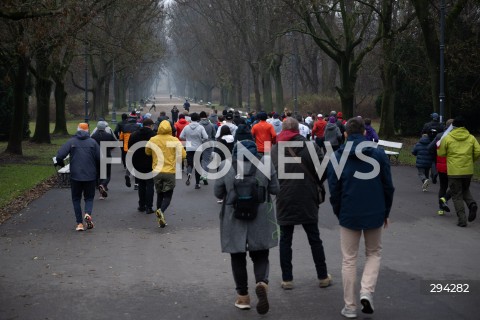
point(350, 241)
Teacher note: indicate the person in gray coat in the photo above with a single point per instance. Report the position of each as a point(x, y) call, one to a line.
point(256, 236)
point(84, 163)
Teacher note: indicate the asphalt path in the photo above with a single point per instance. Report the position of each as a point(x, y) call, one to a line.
point(128, 268)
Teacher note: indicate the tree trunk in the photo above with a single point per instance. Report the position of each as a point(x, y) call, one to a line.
point(256, 87)
point(43, 90)
point(347, 88)
point(267, 90)
point(277, 76)
point(239, 95)
point(15, 138)
point(60, 118)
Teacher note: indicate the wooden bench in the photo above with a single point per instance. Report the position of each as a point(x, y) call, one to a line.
point(392, 149)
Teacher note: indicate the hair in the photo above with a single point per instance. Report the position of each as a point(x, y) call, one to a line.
point(195, 117)
point(262, 116)
point(448, 123)
point(181, 116)
point(147, 122)
point(459, 122)
point(355, 126)
point(162, 113)
point(288, 114)
point(221, 118)
point(290, 124)
point(203, 114)
point(367, 121)
point(225, 131)
point(299, 118)
point(124, 116)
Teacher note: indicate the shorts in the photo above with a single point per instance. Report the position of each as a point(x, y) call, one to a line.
point(164, 182)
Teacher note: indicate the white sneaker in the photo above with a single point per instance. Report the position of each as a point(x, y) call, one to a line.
point(349, 313)
point(366, 299)
point(425, 185)
point(220, 201)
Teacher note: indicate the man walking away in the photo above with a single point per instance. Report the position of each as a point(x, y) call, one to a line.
point(84, 162)
point(263, 132)
point(211, 130)
point(118, 129)
point(298, 203)
point(164, 167)
point(127, 130)
point(461, 150)
point(362, 205)
point(194, 134)
point(174, 112)
point(143, 164)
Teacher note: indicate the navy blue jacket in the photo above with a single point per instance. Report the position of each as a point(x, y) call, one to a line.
point(423, 154)
point(140, 160)
point(84, 156)
point(361, 204)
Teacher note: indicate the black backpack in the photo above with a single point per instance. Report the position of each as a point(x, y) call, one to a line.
point(248, 194)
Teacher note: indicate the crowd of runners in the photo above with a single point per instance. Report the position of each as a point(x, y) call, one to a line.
point(228, 150)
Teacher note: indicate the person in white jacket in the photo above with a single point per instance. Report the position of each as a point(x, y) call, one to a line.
point(194, 135)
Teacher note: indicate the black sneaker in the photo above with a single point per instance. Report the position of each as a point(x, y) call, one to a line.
point(135, 186)
point(103, 191)
point(197, 186)
point(473, 212)
point(141, 209)
point(127, 181)
point(149, 211)
point(189, 175)
point(205, 182)
point(443, 204)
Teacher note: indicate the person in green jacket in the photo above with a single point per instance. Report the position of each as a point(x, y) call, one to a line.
point(462, 150)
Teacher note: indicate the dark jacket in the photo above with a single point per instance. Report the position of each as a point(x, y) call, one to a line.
point(361, 204)
point(84, 156)
point(298, 201)
point(424, 156)
point(102, 135)
point(119, 127)
point(159, 120)
point(140, 160)
point(433, 128)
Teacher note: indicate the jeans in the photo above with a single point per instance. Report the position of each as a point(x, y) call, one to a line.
point(206, 157)
point(87, 189)
point(349, 241)
point(261, 268)
point(316, 246)
point(105, 182)
point(145, 193)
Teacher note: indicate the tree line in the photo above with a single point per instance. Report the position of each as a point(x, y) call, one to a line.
point(347, 49)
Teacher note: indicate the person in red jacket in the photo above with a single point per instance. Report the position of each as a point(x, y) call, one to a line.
point(263, 132)
point(180, 124)
point(318, 131)
point(443, 193)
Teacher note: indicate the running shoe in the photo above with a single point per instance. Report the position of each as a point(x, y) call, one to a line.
point(88, 221)
point(161, 218)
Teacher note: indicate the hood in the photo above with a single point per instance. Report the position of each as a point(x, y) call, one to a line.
point(460, 134)
point(228, 138)
point(331, 126)
point(356, 139)
point(287, 135)
point(182, 121)
point(82, 135)
point(250, 145)
point(194, 125)
point(424, 140)
point(164, 128)
point(204, 122)
point(276, 122)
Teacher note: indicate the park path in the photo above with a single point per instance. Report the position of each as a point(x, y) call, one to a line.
point(127, 268)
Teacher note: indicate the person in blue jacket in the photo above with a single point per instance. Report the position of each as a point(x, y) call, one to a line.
point(361, 196)
point(424, 159)
point(84, 164)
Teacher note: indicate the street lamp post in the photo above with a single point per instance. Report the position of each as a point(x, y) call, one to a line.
point(295, 57)
point(114, 114)
point(248, 89)
point(441, 95)
point(86, 84)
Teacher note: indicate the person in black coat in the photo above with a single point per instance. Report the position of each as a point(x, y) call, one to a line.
point(143, 164)
point(102, 135)
point(298, 201)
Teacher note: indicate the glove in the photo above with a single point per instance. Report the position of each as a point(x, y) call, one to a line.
point(60, 163)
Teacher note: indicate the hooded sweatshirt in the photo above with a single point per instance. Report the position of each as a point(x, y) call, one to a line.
point(180, 125)
point(84, 156)
point(333, 134)
point(194, 134)
point(209, 128)
point(462, 150)
point(167, 158)
point(277, 125)
point(360, 204)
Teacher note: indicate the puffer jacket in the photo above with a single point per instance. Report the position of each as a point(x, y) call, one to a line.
point(424, 156)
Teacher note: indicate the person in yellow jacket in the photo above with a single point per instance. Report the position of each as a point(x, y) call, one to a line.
point(165, 150)
point(462, 150)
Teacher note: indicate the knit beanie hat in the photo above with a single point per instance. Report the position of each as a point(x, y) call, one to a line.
point(82, 126)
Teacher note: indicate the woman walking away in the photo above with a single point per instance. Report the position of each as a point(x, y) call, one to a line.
point(256, 235)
